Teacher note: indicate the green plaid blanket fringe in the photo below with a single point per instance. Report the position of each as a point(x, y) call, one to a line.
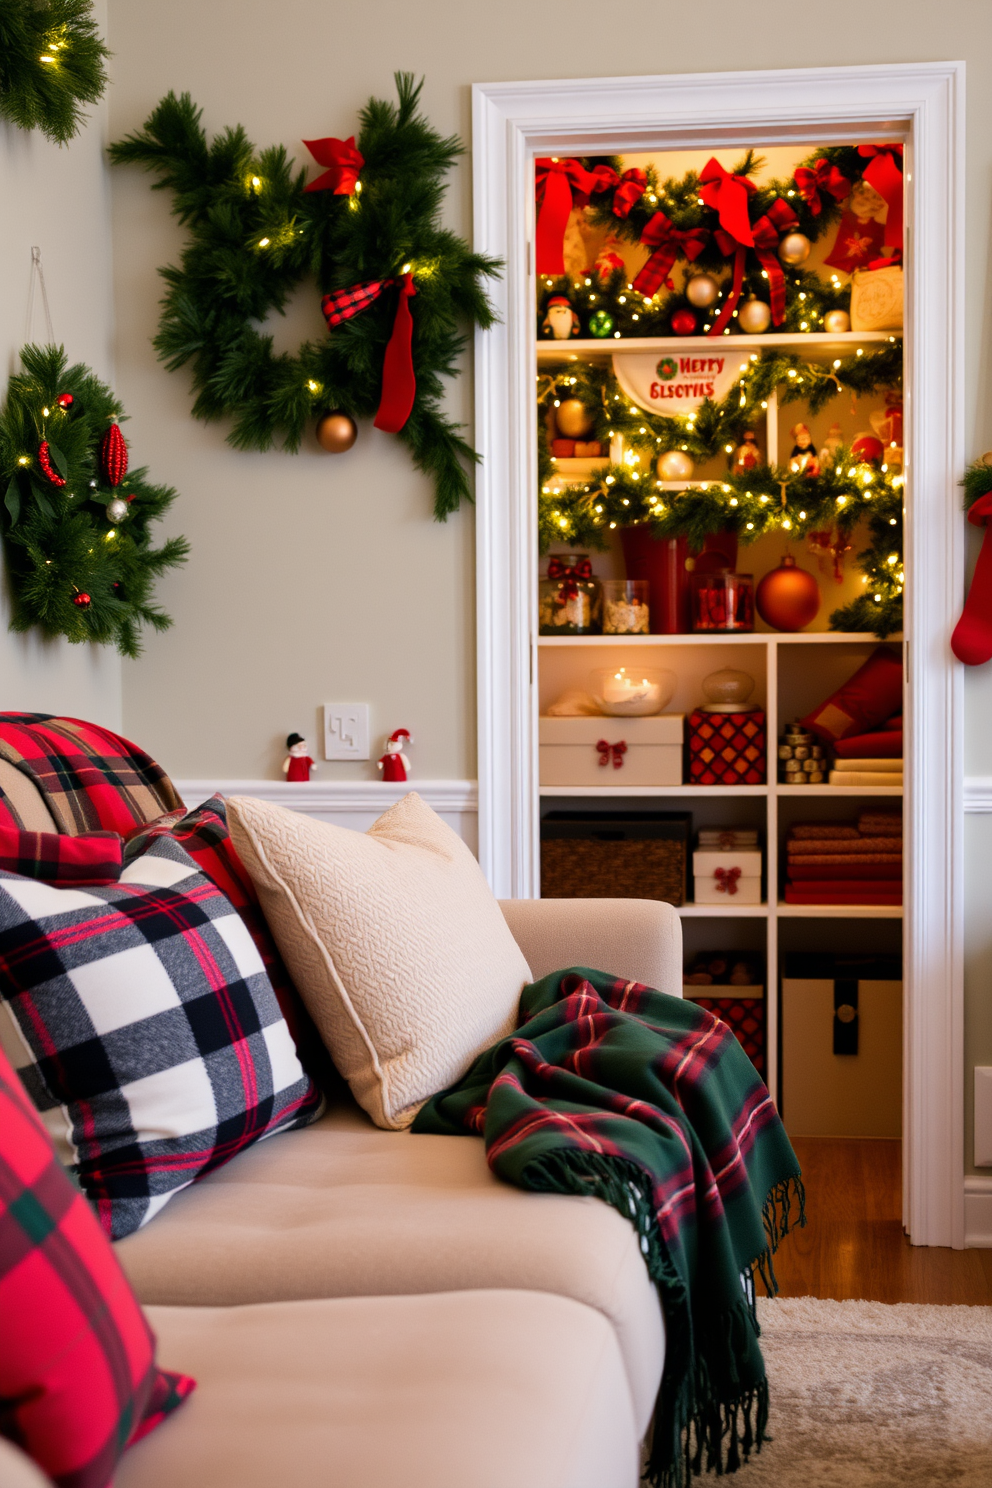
point(610, 1089)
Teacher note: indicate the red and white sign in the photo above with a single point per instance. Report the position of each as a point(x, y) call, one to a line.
point(676, 382)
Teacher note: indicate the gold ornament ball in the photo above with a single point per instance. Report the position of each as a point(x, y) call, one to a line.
point(794, 249)
point(986, 459)
point(336, 432)
point(702, 290)
point(836, 321)
point(574, 419)
point(675, 465)
point(754, 317)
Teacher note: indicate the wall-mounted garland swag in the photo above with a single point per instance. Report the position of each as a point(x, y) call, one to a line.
point(76, 522)
point(51, 63)
point(398, 288)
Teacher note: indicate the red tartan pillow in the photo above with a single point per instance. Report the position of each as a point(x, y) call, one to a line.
point(78, 1379)
point(51, 857)
point(864, 702)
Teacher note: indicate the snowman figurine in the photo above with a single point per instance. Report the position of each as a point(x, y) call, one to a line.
point(297, 764)
point(394, 763)
point(832, 446)
point(560, 320)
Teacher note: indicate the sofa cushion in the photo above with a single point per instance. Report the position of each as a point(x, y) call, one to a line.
point(394, 940)
point(149, 1025)
point(17, 1470)
point(342, 1209)
point(78, 1376)
point(471, 1389)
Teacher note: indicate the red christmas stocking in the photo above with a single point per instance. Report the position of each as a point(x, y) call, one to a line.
point(972, 638)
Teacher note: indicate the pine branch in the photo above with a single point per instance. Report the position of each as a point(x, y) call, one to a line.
point(52, 61)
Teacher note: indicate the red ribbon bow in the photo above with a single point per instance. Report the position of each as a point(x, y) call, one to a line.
point(668, 241)
point(399, 382)
point(557, 180)
point(886, 263)
point(779, 218)
point(615, 751)
point(631, 187)
point(344, 161)
point(884, 174)
point(569, 574)
point(728, 196)
point(726, 880)
point(821, 176)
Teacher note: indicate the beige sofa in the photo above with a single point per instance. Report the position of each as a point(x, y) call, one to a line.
point(364, 1308)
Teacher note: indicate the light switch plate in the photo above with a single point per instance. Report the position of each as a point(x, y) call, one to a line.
point(346, 731)
point(983, 1116)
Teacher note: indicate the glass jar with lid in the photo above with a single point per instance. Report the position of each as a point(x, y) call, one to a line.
point(570, 600)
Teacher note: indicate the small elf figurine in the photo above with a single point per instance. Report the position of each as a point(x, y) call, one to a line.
point(802, 460)
point(394, 763)
point(747, 455)
point(560, 320)
point(297, 764)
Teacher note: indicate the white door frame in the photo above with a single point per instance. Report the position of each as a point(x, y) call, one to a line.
point(512, 123)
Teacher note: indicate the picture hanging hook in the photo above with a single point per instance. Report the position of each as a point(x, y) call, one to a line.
point(38, 275)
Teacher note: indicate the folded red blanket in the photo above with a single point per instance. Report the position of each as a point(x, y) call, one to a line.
point(833, 891)
point(884, 745)
point(846, 847)
point(835, 869)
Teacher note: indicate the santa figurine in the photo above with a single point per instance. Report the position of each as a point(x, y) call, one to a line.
point(802, 460)
point(297, 764)
point(560, 321)
point(394, 763)
point(747, 455)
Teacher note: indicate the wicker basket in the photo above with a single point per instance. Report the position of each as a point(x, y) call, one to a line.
point(615, 855)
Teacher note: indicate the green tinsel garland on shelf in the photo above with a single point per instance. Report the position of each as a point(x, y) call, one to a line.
point(255, 234)
point(51, 63)
point(73, 570)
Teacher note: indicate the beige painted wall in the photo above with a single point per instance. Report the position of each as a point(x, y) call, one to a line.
point(59, 200)
point(283, 603)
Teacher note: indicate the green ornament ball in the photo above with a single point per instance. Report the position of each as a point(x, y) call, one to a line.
point(600, 323)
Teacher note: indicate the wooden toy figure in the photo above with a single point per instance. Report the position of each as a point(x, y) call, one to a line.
point(297, 764)
point(394, 763)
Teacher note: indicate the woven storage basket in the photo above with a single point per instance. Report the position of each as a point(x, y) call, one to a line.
point(615, 855)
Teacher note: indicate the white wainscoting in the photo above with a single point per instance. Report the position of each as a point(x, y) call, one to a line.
point(351, 803)
point(978, 1211)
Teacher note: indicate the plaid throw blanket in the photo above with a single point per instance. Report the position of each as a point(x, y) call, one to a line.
point(610, 1089)
point(92, 780)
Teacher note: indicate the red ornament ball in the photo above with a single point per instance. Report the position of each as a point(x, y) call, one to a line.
point(684, 323)
point(65, 400)
point(788, 598)
point(82, 600)
point(113, 455)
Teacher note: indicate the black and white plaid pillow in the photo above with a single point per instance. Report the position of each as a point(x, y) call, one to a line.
point(148, 1026)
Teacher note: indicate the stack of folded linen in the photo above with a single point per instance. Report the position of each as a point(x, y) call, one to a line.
point(870, 759)
point(846, 862)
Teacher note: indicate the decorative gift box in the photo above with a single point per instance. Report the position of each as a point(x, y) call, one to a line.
point(615, 855)
point(727, 748)
point(617, 752)
point(727, 875)
point(876, 299)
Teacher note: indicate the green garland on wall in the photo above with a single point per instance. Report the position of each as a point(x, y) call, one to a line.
point(77, 542)
point(255, 232)
point(51, 63)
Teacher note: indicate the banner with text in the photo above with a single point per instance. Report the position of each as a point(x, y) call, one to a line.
point(675, 382)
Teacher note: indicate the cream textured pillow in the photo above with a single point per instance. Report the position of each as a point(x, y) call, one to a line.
point(394, 940)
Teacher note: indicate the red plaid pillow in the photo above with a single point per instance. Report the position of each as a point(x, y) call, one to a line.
point(96, 858)
point(78, 1378)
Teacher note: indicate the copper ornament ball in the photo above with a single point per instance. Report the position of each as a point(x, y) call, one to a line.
point(675, 465)
point(794, 249)
point(788, 598)
point(701, 291)
point(836, 321)
point(754, 317)
point(574, 419)
point(336, 432)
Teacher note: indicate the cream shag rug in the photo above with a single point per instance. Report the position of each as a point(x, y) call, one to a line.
point(867, 1393)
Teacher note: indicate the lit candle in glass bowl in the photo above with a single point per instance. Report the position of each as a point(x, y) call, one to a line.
point(637, 693)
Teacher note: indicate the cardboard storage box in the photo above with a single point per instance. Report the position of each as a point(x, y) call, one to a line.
point(635, 751)
point(615, 855)
point(842, 1046)
point(727, 875)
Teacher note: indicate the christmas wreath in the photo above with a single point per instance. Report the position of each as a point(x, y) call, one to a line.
point(75, 520)
point(397, 287)
point(51, 62)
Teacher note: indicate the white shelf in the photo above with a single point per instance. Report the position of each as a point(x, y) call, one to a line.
point(603, 792)
point(811, 343)
point(839, 911)
point(838, 790)
point(728, 638)
point(722, 912)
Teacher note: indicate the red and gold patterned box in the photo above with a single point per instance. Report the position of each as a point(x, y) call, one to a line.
point(745, 1015)
point(727, 748)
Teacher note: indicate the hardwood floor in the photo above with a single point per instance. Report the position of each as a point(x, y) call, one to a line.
point(853, 1245)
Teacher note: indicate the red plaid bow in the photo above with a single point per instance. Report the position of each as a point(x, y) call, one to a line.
point(779, 218)
point(344, 161)
point(726, 880)
point(569, 575)
point(631, 188)
point(728, 195)
point(668, 241)
point(556, 182)
point(820, 177)
point(399, 383)
point(616, 751)
point(884, 174)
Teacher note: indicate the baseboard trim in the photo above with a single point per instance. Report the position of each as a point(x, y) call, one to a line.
point(978, 793)
point(978, 1211)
